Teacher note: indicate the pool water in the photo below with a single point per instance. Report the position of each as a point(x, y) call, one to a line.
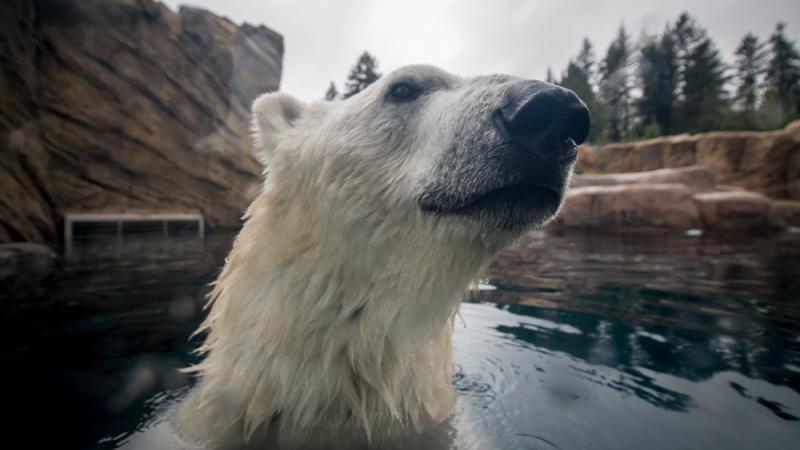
point(569, 342)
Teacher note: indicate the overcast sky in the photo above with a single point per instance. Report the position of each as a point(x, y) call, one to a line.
point(470, 37)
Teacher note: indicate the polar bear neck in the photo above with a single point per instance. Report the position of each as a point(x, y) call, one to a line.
point(344, 332)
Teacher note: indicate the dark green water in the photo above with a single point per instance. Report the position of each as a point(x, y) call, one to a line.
point(570, 343)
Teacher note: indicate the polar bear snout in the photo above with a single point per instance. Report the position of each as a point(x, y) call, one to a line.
point(549, 119)
point(517, 176)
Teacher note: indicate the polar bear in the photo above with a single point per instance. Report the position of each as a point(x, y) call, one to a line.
point(332, 318)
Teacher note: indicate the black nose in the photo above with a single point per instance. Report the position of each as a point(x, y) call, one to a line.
point(545, 114)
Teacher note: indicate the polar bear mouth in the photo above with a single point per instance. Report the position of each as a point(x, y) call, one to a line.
point(508, 207)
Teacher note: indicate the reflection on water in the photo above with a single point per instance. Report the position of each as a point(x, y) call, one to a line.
point(682, 307)
point(84, 351)
point(569, 342)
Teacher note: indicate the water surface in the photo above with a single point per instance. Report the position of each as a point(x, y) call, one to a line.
point(570, 342)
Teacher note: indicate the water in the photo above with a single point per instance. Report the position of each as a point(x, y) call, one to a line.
point(568, 343)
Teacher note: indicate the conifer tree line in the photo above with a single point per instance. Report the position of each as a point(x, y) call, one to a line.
point(671, 82)
point(676, 81)
point(363, 73)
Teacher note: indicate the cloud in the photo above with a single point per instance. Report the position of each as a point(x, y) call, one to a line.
point(521, 37)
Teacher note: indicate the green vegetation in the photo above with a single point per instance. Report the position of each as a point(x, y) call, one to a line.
point(668, 83)
point(677, 82)
point(362, 74)
point(332, 93)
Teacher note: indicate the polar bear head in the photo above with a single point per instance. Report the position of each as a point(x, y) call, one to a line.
point(486, 157)
point(332, 310)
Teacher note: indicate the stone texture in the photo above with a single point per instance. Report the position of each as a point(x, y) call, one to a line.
point(26, 211)
point(673, 200)
point(793, 165)
point(785, 213)
point(739, 212)
point(628, 208)
point(765, 162)
point(124, 104)
point(586, 162)
point(696, 178)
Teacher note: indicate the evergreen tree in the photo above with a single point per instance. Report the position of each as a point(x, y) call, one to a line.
point(704, 101)
point(773, 112)
point(701, 79)
point(783, 73)
point(576, 79)
point(332, 93)
point(684, 33)
point(578, 74)
point(598, 132)
point(361, 75)
point(586, 60)
point(549, 76)
point(615, 85)
point(587, 63)
point(679, 83)
point(749, 68)
point(658, 72)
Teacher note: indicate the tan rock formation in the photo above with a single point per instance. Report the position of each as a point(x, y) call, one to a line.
point(739, 212)
point(124, 104)
point(629, 208)
point(669, 200)
point(696, 178)
point(786, 213)
point(765, 162)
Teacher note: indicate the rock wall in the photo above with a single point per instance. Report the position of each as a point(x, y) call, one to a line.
point(119, 105)
point(669, 201)
point(764, 162)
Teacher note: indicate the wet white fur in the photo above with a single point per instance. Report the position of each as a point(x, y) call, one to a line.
point(333, 314)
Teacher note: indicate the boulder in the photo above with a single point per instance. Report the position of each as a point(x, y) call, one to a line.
point(785, 213)
point(735, 212)
point(696, 178)
point(674, 200)
point(793, 166)
point(765, 162)
point(756, 161)
point(114, 105)
point(586, 159)
point(628, 208)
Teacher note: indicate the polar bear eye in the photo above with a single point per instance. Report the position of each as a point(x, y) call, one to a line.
point(403, 92)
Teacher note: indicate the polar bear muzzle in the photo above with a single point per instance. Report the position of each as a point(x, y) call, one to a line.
point(521, 180)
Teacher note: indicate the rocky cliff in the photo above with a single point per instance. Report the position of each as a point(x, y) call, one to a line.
point(112, 105)
point(670, 201)
point(765, 162)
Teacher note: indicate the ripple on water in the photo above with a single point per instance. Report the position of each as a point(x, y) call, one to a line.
point(571, 343)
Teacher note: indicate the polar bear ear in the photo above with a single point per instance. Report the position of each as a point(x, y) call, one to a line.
point(273, 114)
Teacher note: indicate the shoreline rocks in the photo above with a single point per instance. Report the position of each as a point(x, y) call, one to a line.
point(735, 212)
point(696, 178)
point(629, 208)
point(786, 213)
point(669, 201)
point(764, 162)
